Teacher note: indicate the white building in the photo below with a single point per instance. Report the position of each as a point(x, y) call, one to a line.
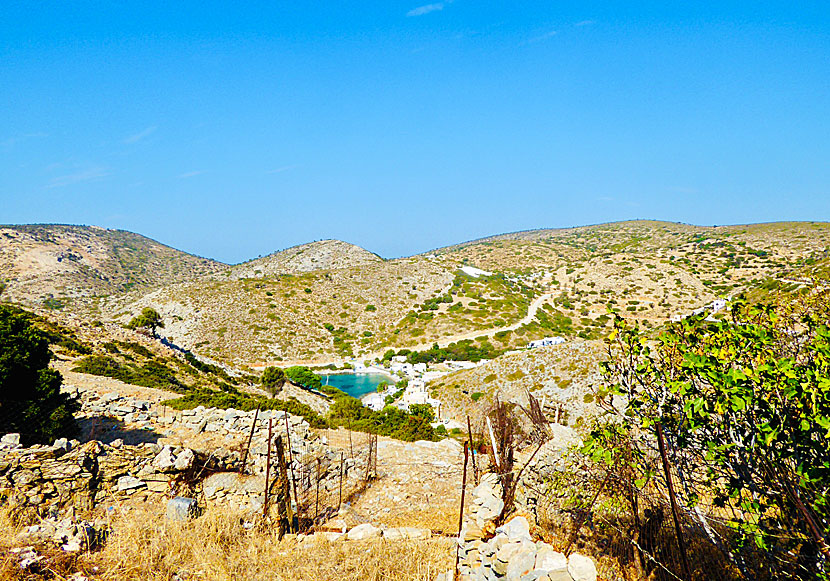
point(545, 342)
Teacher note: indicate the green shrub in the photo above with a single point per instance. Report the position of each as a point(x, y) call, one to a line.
point(150, 374)
point(31, 402)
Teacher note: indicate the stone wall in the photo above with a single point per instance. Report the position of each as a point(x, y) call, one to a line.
point(69, 473)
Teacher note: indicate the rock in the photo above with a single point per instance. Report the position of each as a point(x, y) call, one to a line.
point(24, 478)
point(516, 529)
point(582, 568)
point(185, 460)
point(400, 533)
point(63, 444)
point(363, 531)
point(165, 461)
point(553, 563)
point(117, 443)
point(521, 563)
point(181, 509)
point(129, 483)
point(10, 441)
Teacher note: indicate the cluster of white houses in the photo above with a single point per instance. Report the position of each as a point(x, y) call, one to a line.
point(546, 342)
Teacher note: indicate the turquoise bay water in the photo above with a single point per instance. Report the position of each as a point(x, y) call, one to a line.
point(356, 384)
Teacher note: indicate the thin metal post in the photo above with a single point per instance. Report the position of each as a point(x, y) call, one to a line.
point(461, 510)
point(351, 446)
point(291, 468)
point(340, 491)
point(678, 530)
point(267, 469)
point(250, 438)
point(472, 449)
point(286, 518)
point(317, 497)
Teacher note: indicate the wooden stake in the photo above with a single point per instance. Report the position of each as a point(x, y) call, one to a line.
point(317, 498)
point(678, 530)
point(493, 441)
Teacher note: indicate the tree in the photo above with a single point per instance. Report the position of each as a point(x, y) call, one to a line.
point(31, 402)
point(744, 404)
point(273, 378)
point(303, 376)
point(148, 319)
point(422, 410)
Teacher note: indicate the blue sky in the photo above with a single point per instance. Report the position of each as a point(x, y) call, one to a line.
point(234, 130)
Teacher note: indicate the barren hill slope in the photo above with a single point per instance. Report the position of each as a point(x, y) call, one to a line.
point(321, 255)
point(329, 300)
point(51, 262)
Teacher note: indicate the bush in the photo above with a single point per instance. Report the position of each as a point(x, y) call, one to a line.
point(148, 319)
point(303, 376)
point(151, 374)
point(273, 378)
point(30, 399)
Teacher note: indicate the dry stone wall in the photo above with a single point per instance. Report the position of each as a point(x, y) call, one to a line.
point(48, 479)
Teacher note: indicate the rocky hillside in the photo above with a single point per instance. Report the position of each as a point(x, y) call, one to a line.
point(321, 255)
point(330, 300)
point(49, 263)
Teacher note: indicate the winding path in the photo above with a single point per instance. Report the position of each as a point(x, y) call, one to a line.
point(443, 342)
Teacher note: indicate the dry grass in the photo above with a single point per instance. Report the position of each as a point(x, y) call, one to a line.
point(217, 547)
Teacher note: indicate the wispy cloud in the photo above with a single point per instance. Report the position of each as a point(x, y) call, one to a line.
point(585, 23)
point(281, 169)
point(542, 37)
point(426, 9)
point(12, 141)
point(86, 175)
point(190, 174)
point(141, 134)
point(605, 199)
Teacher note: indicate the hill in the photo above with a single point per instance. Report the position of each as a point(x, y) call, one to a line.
point(330, 300)
point(47, 264)
point(320, 255)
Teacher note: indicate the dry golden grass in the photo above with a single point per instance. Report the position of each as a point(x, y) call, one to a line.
point(216, 547)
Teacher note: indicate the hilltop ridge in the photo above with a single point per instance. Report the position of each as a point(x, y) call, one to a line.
point(53, 262)
point(308, 257)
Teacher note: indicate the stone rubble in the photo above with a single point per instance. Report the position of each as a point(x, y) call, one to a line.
point(511, 553)
point(68, 534)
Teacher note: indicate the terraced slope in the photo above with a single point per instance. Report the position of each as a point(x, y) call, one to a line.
point(49, 263)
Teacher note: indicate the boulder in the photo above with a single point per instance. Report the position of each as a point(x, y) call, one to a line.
point(516, 529)
point(363, 531)
point(185, 460)
point(182, 509)
point(521, 563)
point(582, 568)
point(165, 461)
point(10, 441)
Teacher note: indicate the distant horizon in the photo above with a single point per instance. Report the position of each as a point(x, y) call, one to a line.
point(461, 243)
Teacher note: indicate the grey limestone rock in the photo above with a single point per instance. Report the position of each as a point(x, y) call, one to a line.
point(182, 509)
